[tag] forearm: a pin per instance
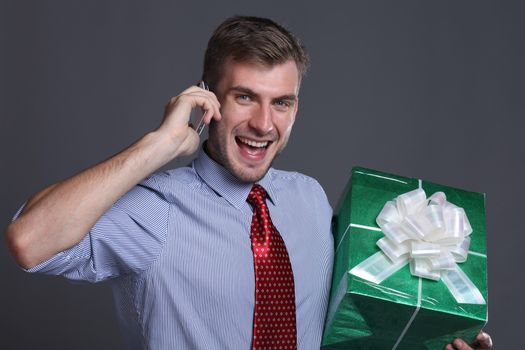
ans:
(59, 216)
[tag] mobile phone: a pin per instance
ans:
(201, 125)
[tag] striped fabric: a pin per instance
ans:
(177, 250)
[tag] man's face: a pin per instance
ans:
(258, 107)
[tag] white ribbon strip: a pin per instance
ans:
(382, 177)
(377, 267)
(462, 287)
(412, 318)
(430, 234)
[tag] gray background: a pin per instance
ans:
(425, 89)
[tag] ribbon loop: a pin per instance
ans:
(410, 203)
(431, 234)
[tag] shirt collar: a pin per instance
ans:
(225, 184)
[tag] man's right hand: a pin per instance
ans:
(59, 216)
(177, 113)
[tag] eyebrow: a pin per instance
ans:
(248, 91)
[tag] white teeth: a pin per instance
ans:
(253, 143)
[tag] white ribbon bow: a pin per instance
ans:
(432, 234)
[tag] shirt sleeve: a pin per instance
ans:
(127, 238)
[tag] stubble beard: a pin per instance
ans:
(217, 150)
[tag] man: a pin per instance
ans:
(193, 254)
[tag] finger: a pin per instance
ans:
(215, 113)
(188, 95)
(197, 89)
(483, 341)
(210, 109)
(459, 344)
(203, 99)
(178, 110)
(202, 85)
(192, 88)
(195, 97)
(178, 113)
(211, 98)
(449, 347)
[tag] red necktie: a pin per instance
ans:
(274, 317)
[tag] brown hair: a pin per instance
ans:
(256, 39)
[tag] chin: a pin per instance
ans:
(236, 165)
(249, 175)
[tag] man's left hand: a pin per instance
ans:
(482, 342)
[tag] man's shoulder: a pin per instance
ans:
(182, 175)
(303, 191)
(165, 182)
(290, 176)
(293, 180)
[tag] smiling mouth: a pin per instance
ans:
(255, 145)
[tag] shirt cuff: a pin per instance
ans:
(50, 264)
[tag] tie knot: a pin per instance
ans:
(257, 195)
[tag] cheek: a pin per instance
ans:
(227, 110)
(233, 118)
(285, 125)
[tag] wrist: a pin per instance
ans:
(164, 146)
(158, 148)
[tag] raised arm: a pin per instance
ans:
(60, 215)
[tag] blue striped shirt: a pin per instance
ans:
(177, 250)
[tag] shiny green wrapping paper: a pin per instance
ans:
(365, 315)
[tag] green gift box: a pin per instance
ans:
(403, 311)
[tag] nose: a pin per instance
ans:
(261, 120)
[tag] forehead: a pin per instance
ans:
(271, 80)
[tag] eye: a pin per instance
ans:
(243, 98)
(282, 104)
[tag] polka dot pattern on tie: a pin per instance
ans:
(274, 324)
